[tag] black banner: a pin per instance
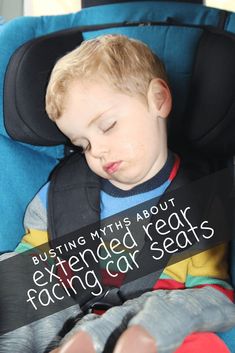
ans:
(134, 244)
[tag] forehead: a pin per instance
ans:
(86, 99)
(88, 95)
(91, 85)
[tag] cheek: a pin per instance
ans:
(95, 166)
(91, 163)
(130, 143)
(142, 149)
(135, 152)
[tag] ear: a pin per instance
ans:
(159, 98)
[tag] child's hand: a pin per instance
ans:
(156, 321)
(95, 333)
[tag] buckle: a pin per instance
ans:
(99, 308)
(110, 298)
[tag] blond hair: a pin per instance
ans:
(126, 64)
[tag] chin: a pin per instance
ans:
(127, 185)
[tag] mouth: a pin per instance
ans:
(112, 167)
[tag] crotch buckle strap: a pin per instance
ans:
(109, 298)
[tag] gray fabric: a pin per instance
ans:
(167, 315)
(170, 318)
(36, 337)
(35, 215)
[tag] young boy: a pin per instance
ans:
(110, 96)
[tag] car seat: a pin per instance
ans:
(30, 144)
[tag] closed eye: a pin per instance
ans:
(85, 148)
(110, 127)
(82, 147)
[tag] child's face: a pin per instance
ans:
(123, 138)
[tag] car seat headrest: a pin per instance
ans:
(25, 85)
(209, 122)
(210, 116)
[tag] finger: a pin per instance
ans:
(135, 339)
(81, 342)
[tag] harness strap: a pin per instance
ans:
(74, 197)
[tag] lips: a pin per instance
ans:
(112, 167)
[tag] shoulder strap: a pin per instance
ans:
(74, 197)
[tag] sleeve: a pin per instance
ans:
(207, 268)
(35, 222)
(210, 268)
